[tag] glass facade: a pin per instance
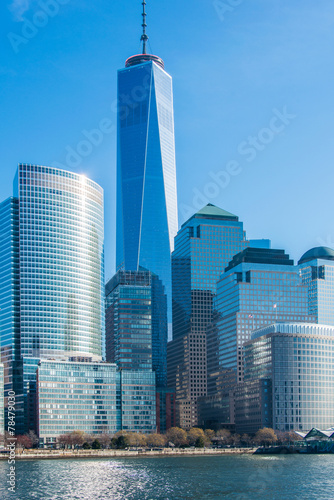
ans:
(61, 263)
(146, 172)
(298, 358)
(203, 247)
(2, 409)
(10, 303)
(317, 271)
(9, 290)
(93, 397)
(259, 287)
(138, 398)
(136, 323)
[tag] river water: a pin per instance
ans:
(240, 477)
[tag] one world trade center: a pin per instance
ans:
(146, 172)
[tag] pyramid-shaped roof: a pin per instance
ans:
(212, 211)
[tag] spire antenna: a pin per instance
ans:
(144, 37)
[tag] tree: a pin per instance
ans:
(104, 440)
(177, 436)
(64, 440)
(24, 442)
(137, 439)
(210, 434)
(265, 436)
(34, 438)
(224, 436)
(156, 440)
(77, 438)
(96, 445)
(235, 438)
(86, 446)
(122, 442)
(245, 440)
(196, 436)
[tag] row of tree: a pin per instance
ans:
(174, 437)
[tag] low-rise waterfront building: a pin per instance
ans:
(93, 397)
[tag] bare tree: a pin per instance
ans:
(104, 440)
(77, 438)
(34, 438)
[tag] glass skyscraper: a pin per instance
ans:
(52, 277)
(146, 173)
(317, 271)
(259, 287)
(61, 246)
(10, 302)
(203, 248)
(136, 323)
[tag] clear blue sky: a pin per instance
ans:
(233, 63)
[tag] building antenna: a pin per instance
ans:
(144, 37)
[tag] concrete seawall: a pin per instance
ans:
(68, 454)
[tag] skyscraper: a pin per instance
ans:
(317, 271)
(10, 302)
(146, 172)
(52, 276)
(259, 287)
(61, 248)
(203, 247)
(136, 323)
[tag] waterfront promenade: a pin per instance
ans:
(68, 454)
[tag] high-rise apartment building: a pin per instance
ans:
(136, 323)
(317, 271)
(146, 172)
(203, 248)
(298, 360)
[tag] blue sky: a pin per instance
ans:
(253, 97)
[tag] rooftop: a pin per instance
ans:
(211, 212)
(261, 256)
(324, 253)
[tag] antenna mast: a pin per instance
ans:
(144, 37)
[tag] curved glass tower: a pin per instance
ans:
(61, 242)
(146, 172)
